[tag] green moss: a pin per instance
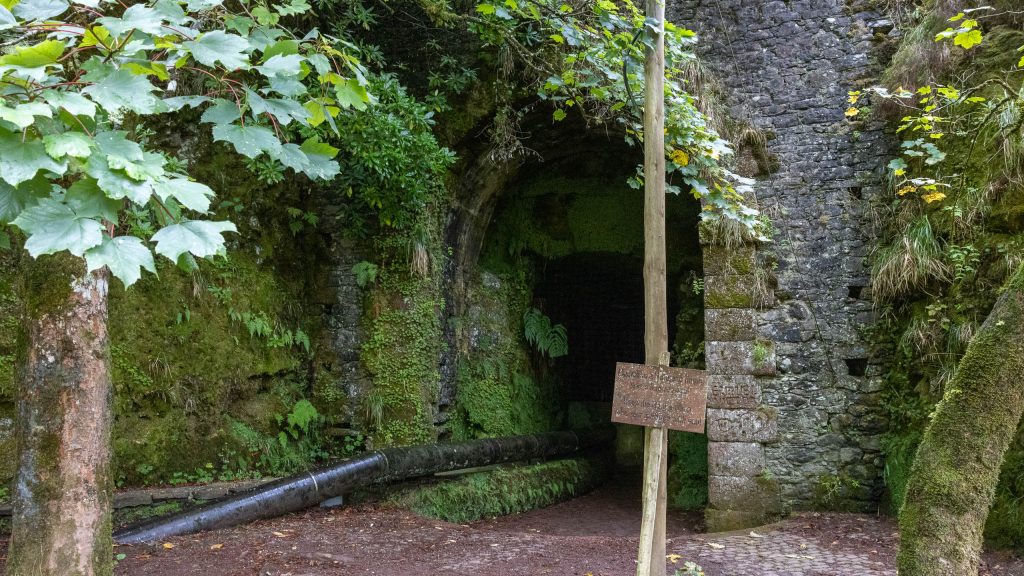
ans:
(180, 364)
(559, 216)
(729, 291)
(499, 392)
(47, 282)
(688, 470)
(506, 490)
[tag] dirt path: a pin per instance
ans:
(593, 535)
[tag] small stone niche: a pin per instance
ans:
(856, 366)
(856, 292)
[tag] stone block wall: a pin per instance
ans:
(793, 419)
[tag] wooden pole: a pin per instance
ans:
(651, 561)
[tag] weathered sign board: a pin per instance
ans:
(660, 397)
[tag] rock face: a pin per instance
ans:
(793, 418)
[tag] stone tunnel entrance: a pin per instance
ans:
(572, 229)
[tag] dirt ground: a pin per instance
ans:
(594, 535)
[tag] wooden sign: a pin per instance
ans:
(660, 397)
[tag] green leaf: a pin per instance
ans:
(24, 115)
(88, 201)
(249, 141)
(73, 144)
(15, 199)
(293, 7)
(200, 5)
(52, 226)
(191, 195)
(293, 157)
(114, 144)
(42, 54)
(283, 47)
(36, 10)
(125, 256)
(150, 168)
(122, 90)
(283, 110)
(117, 184)
(179, 102)
(73, 102)
(281, 65)
(558, 115)
(352, 94)
(221, 112)
(287, 86)
(20, 161)
(217, 46)
(198, 237)
(485, 9)
(7, 20)
(319, 154)
(136, 17)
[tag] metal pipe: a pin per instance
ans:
(310, 488)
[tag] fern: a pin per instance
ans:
(550, 340)
(366, 273)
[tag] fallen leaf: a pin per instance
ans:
(756, 535)
(280, 534)
(216, 547)
(673, 558)
(716, 546)
(168, 545)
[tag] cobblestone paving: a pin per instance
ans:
(779, 554)
(811, 545)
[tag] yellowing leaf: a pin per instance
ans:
(680, 157)
(168, 545)
(852, 112)
(967, 40)
(673, 558)
(854, 97)
(216, 546)
(933, 197)
(906, 190)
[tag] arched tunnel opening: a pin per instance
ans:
(571, 228)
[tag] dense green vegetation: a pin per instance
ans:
(953, 234)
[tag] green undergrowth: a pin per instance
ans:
(688, 470)
(942, 264)
(505, 490)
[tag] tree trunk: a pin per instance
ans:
(953, 479)
(61, 524)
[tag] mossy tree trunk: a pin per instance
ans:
(61, 524)
(953, 479)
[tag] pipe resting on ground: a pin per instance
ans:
(310, 488)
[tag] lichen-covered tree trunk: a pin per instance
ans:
(61, 524)
(953, 479)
